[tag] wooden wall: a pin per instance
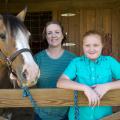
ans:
(103, 20)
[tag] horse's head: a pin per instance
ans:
(14, 48)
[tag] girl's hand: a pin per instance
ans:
(92, 96)
(100, 89)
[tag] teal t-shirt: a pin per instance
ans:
(51, 69)
(89, 72)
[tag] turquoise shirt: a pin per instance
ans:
(89, 72)
(51, 69)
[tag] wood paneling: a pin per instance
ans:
(102, 15)
(91, 19)
(71, 28)
(105, 21)
(99, 20)
(115, 32)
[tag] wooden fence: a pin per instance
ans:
(55, 97)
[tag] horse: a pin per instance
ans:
(15, 55)
(15, 51)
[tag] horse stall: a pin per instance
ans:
(77, 17)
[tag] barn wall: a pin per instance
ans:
(102, 20)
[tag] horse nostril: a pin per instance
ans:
(24, 74)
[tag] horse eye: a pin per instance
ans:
(2, 36)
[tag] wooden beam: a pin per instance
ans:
(52, 97)
(55, 5)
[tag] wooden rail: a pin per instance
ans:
(52, 97)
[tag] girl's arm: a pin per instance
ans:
(65, 82)
(102, 89)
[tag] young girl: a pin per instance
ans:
(94, 73)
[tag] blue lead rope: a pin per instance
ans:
(26, 93)
(76, 105)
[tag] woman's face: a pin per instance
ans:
(92, 46)
(54, 35)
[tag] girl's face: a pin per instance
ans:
(54, 35)
(92, 46)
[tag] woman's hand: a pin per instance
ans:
(92, 96)
(100, 89)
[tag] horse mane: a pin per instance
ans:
(13, 24)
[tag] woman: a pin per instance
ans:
(52, 62)
(94, 73)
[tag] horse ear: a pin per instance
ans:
(22, 14)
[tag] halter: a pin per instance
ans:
(9, 59)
